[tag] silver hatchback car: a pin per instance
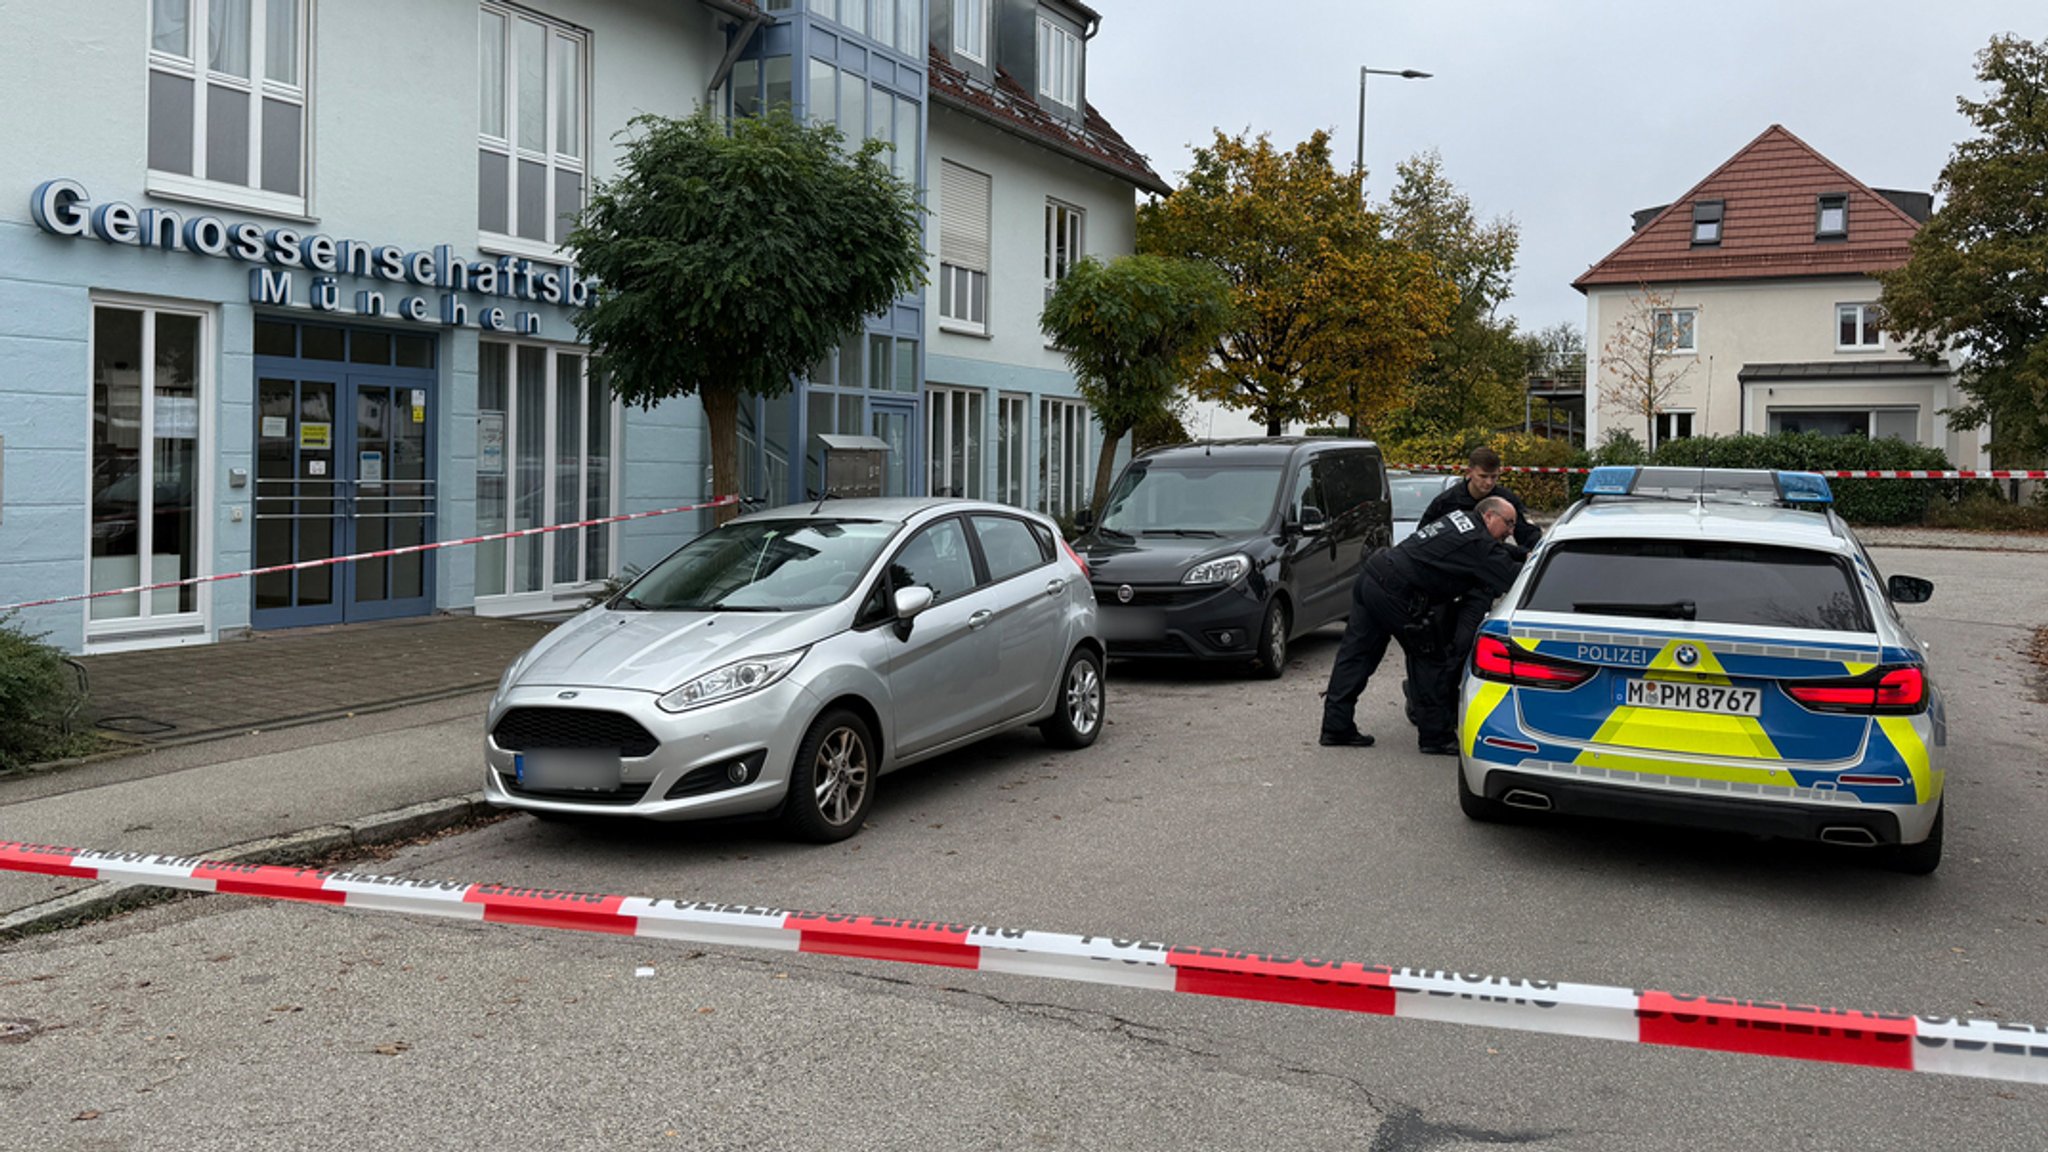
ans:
(783, 662)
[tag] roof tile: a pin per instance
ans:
(1009, 104)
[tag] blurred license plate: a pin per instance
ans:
(1719, 699)
(569, 769)
(1119, 623)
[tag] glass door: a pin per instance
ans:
(390, 499)
(298, 500)
(891, 421)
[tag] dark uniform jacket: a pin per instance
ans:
(1458, 498)
(1441, 561)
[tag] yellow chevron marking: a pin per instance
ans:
(1651, 767)
(1489, 697)
(1927, 783)
(1696, 733)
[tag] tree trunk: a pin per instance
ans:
(1273, 426)
(722, 416)
(1103, 464)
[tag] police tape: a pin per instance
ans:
(408, 549)
(1838, 474)
(1984, 1049)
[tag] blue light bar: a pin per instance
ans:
(1611, 480)
(1804, 488)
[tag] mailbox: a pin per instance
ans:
(854, 465)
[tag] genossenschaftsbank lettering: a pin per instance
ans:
(63, 208)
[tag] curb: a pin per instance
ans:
(109, 897)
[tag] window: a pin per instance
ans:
(1877, 423)
(758, 85)
(1727, 583)
(531, 129)
(839, 97)
(1677, 329)
(147, 396)
(1859, 328)
(227, 101)
(935, 558)
(1063, 476)
(1062, 242)
(1011, 435)
(1832, 217)
(970, 29)
(1674, 425)
(893, 119)
(546, 427)
(954, 444)
(1008, 546)
(1059, 64)
(1706, 223)
(963, 247)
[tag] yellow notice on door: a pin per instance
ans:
(318, 437)
(419, 414)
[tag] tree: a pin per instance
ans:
(1326, 317)
(1473, 377)
(1637, 363)
(1977, 276)
(1132, 330)
(731, 259)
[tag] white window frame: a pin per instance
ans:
(1013, 438)
(247, 192)
(1059, 64)
(970, 29)
(148, 628)
(561, 40)
(1064, 478)
(940, 403)
(548, 597)
(966, 200)
(1863, 313)
(1684, 321)
(1775, 414)
(1667, 424)
(1065, 227)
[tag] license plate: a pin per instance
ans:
(1719, 699)
(1119, 623)
(568, 769)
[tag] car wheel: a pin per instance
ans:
(1475, 806)
(1077, 718)
(1923, 858)
(1271, 661)
(833, 781)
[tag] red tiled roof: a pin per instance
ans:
(1770, 194)
(1008, 105)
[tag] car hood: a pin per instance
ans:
(1154, 559)
(661, 651)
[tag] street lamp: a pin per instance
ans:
(1363, 72)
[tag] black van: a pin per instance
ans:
(1227, 549)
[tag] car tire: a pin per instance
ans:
(1077, 714)
(1271, 661)
(832, 783)
(1923, 858)
(1477, 807)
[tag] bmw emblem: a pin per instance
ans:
(1687, 655)
(565, 696)
(1124, 593)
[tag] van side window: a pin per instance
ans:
(1307, 493)
(1350, 481)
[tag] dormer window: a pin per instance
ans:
(1059, 64)
(970, 29)
(1706, 223)
(1832, 217)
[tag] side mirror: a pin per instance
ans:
(1909, 589)
(1084, 519)
(912, 600)
(1312, 520)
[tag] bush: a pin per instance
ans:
(38, 696)
(1858, 501)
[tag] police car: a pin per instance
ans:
(1714, 648)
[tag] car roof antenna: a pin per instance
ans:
(829, 495)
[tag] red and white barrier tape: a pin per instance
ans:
(1984, 1049)
(721, 502)
(1839, 474)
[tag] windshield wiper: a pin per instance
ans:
(1181, 532)
(1119, 533)
(722, 607)
(630, 604)
(1669, 610)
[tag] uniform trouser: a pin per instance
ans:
(1435, 677)
(1376, 618)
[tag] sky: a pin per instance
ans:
(1563, 115)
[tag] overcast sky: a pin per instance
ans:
(1565, 115)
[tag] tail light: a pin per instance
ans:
(1075, 557)
(1896, 691)
(1495, 659)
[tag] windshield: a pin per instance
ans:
(763, 566)
(1704, 580)
(1412, 494)
(1190, 498)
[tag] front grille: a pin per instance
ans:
(623, 796)
(1168, 597)
(526, 728)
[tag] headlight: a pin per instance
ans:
(736, 679)
(1226, 570)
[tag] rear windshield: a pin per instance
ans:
(1412, 494)
(1191, 500)
(1713, 581)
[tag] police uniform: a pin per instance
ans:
(1392, 598)
(1456, 625)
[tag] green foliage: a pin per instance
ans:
(1452, 450)
(1978, 507)
(1977, 277)
(1858, 501)
(38, 695)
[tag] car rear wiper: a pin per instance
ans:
(1181, 532)
(1668, 610)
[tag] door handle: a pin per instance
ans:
(979, 620)
(1055, 587)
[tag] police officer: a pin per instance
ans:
(1482, 479)
(1392, 598)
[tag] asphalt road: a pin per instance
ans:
(1206, 815)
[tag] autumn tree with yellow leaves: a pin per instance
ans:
(1330, 319)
